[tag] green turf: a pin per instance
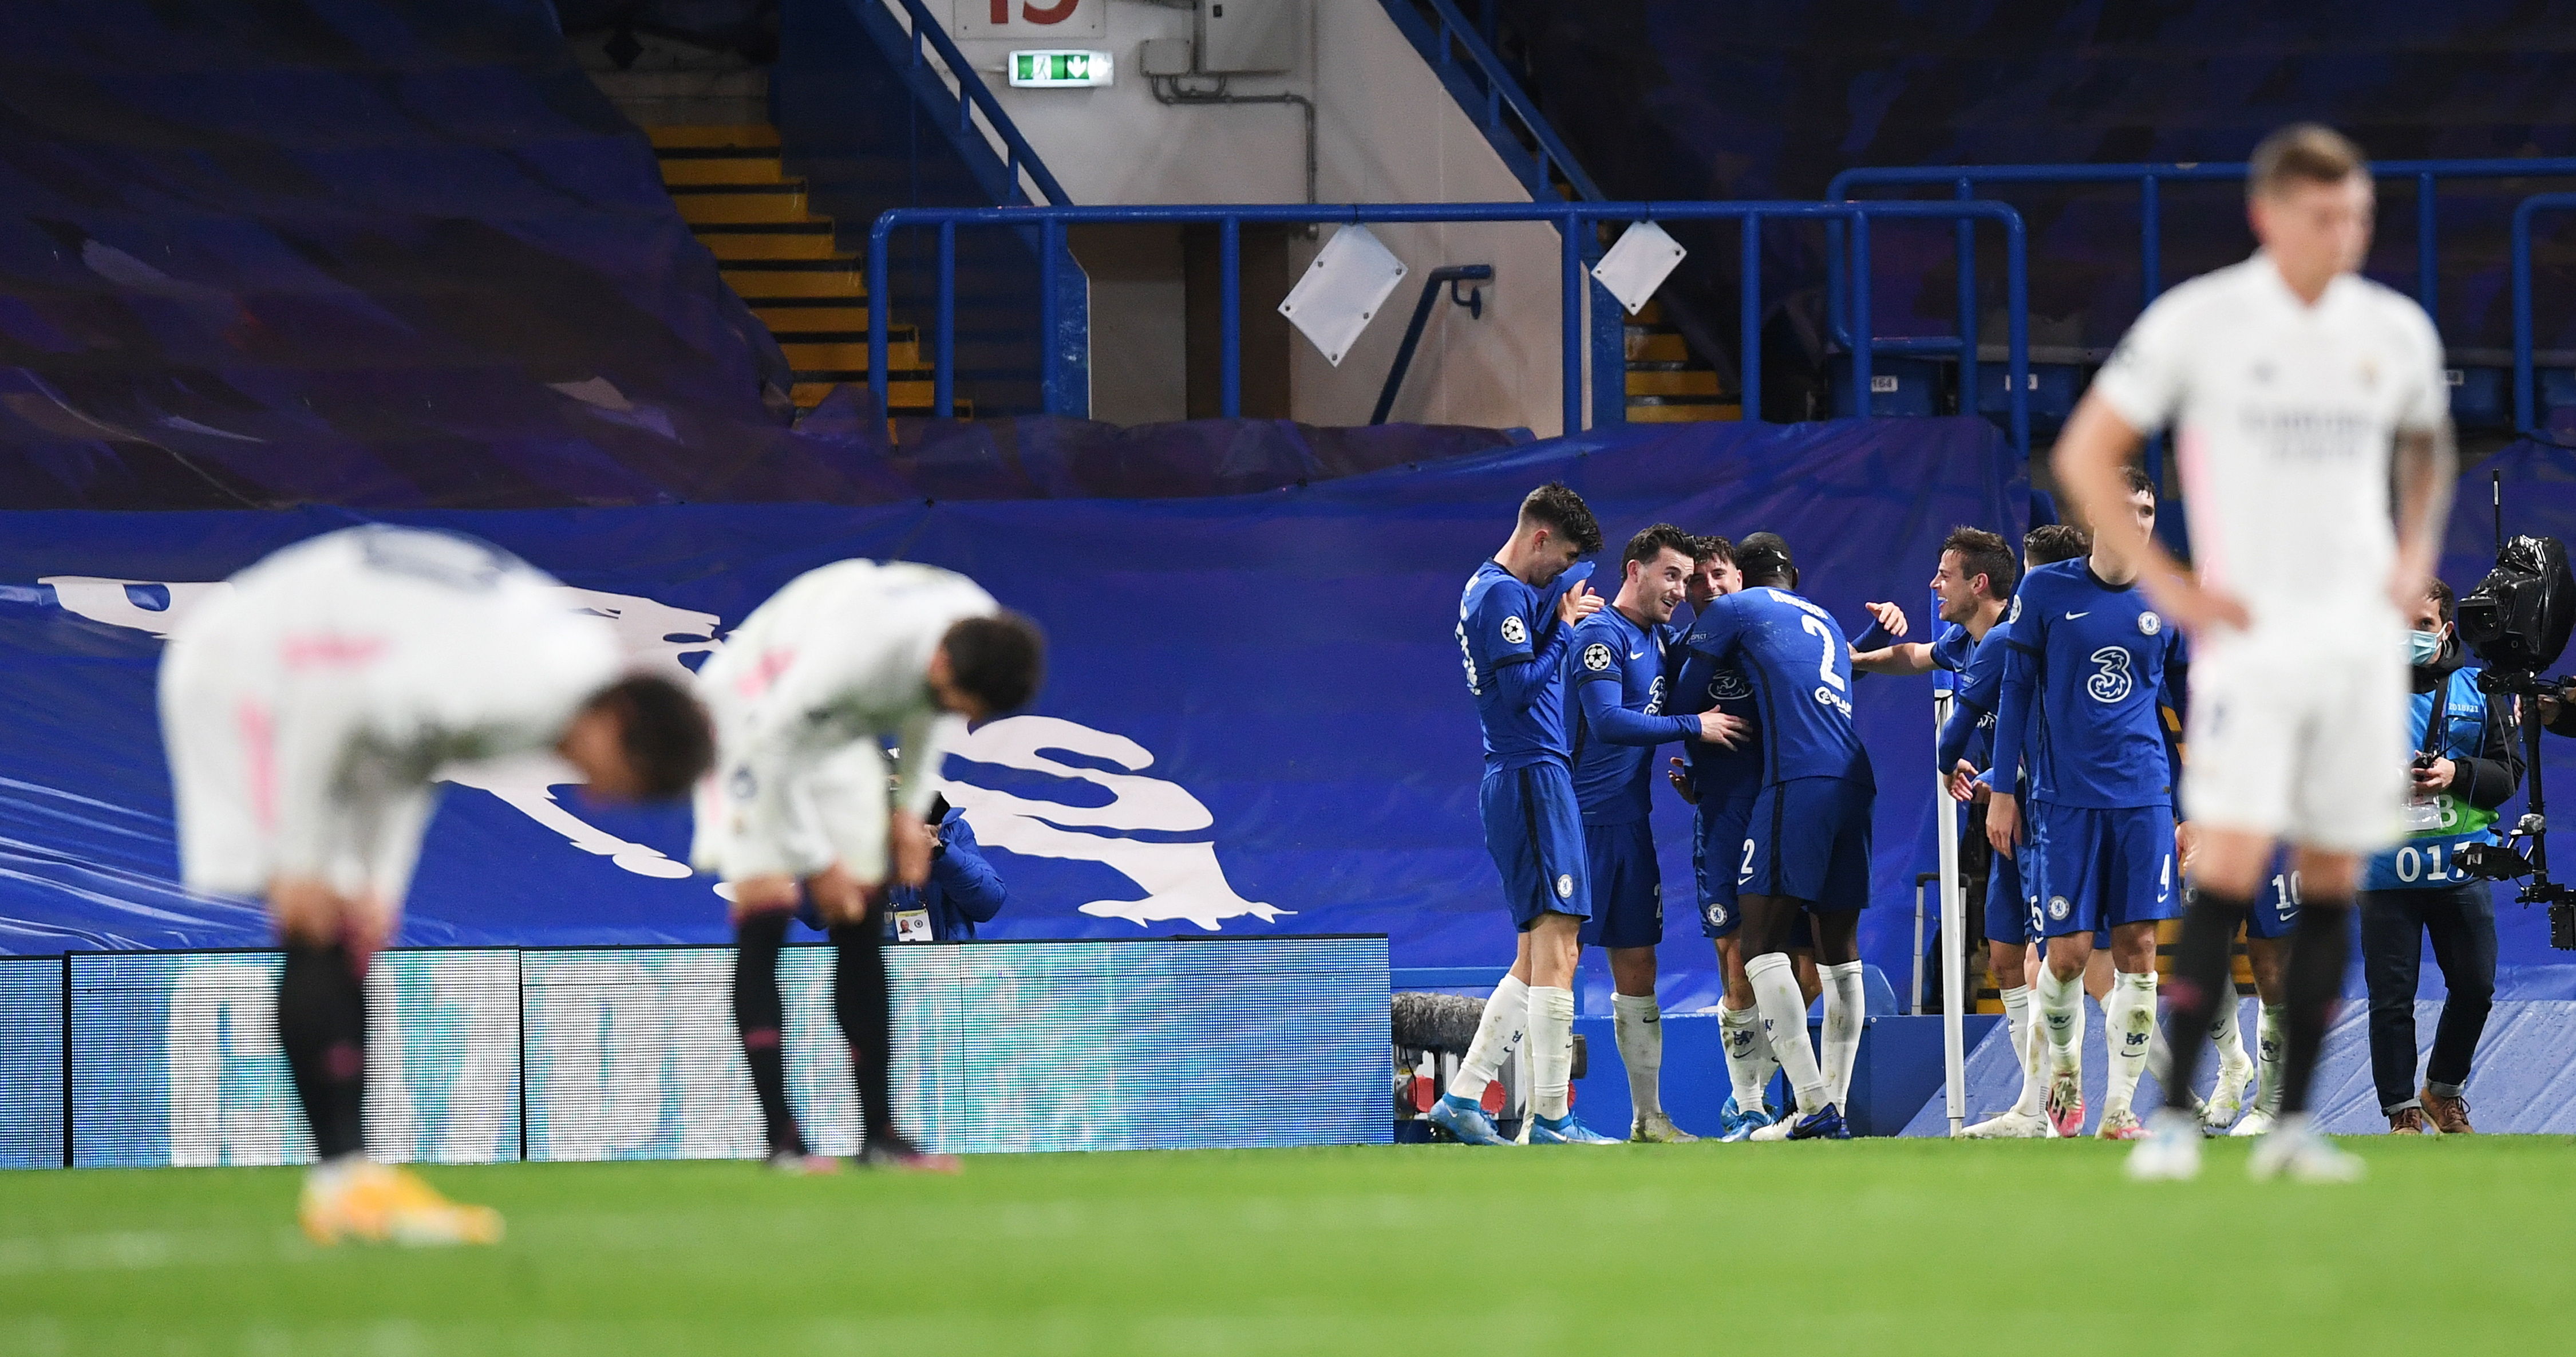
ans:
(2454, 1245)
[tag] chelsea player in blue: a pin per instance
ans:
(1515, 628)
(1973, 581)
(1616, 667)
(2089, 665)
(1806, 849)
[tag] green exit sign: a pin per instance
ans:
(1059, 70)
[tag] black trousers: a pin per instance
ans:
(2461, 922)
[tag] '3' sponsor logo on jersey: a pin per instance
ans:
(2112, 681)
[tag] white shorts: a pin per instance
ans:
(223, 706)
(2302, 735)
(835, 812)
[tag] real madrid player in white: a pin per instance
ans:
(2290, 383)
(805, 695)
(308, 712)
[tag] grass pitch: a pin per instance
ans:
(2455, 1245)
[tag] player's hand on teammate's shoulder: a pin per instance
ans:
(1716, 727)
(1577, 603)
(1679, 776)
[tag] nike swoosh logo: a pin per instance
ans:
(2086, 613)
(1636, 654)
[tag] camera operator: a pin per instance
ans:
(2468, 762)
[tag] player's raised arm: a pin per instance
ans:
(2427, 461)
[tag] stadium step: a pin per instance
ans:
(785, 261)
(1666, 383)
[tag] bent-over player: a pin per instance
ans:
(2289, 380)
(805, 695)
(307, 714)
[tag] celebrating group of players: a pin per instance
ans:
(310, 710)
(2298, 392)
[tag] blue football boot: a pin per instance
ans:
(1742, 1125)
(1825, 1123)
(1568, 1130)
(1465, 1120)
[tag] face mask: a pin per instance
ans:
(2424, 647)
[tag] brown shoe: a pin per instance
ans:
(2450, 1116)
(2406, 1121)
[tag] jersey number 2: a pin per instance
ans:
(1815, 626)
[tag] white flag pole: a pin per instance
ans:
(1953, 923)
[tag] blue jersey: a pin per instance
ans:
(1717, 774)
(2085, 672)
(1794, 657)
(1615, 673)
(1970, 732)
(1514, 650)
(1953, 647)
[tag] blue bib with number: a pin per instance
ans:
(2424, 860)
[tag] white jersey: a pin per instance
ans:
(2285, 416)
(308, 711)
(805, 694)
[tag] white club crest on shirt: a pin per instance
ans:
(2058, 907)
(2149, 624)
(1596, 656)
(1564, 886)
(2015, 614)
(1514, 631)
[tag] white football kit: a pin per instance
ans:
(804, 695)
(2285, 417)
(308, 710)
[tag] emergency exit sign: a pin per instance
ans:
(1059, 70)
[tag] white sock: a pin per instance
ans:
(2027, 1046)
(1551, 1046)
(2226, 1036)
(2267, 1057)
(2061, 1018)
(1845, 1006)
(2128, 1028)
(2159, 1055)
(330, 1175)
(1639, 1027)
(1506, 1013)
(1746, 1065)
(1784, 1020)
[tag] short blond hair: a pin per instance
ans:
(2302, 153)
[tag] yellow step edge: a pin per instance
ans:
(1702, 382)
(1658, 349)
(746, 245)
(790, 320)
(846, 356)
(1684, 414)
(728, 170)
(757, 285)
(736, 209)
(733, 134)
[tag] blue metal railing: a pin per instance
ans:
(2526, 413)
(1573, 222)
(1487, 91)
(1967, 181)
(971, 97)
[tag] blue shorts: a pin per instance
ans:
(1717, 854)
(1627, 885)
(1535, 832)
(1809, 841)
(2008, 906)
(2099, 869)
(2276, 905)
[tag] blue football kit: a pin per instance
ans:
(1808, 828)
(1724, 782)
(1953, 647)
(1615, 667)
(2088, 665)
(1969, 736)
(1514, 650)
